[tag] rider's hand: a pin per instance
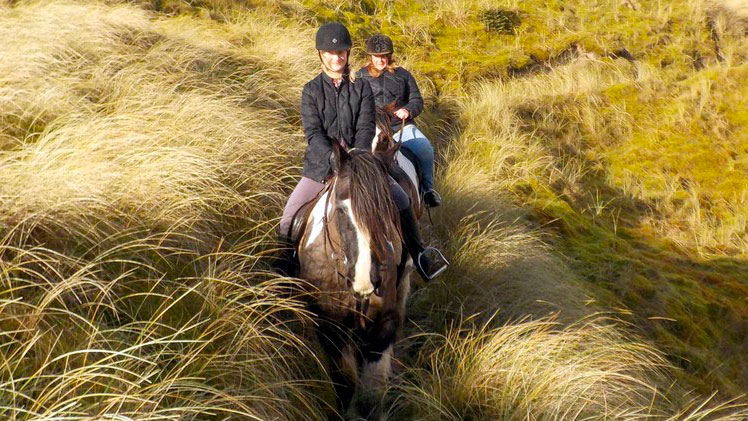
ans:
(402, 114)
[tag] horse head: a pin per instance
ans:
(384, 144)
(361, 234)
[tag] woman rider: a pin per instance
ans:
(391, 83)
(337, 108)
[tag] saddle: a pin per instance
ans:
(301, 217)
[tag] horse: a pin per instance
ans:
(351, 254)
(403, 168)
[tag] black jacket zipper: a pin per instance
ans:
(337, 111)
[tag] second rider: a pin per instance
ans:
(390, 83)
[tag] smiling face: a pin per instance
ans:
(334, 61)
(380, 62)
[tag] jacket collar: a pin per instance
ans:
(328, 80)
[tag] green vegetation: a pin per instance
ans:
(593, 157)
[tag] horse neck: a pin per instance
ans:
(348, 245)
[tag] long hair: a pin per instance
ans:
(391, 66)
(372, 201)
(347, 73)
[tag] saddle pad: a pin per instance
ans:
(413, 160)
(301, 217)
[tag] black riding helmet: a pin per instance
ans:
(379, 44)
(333, 36)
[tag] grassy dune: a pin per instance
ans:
(142, 162)
(592, 158)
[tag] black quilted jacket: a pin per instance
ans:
(329, 114)
(400, 87)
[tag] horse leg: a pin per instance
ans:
(373, 385)
(343, 367)
(345, 378)
(403, 289)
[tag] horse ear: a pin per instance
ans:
(387, 156)
(340, 154)
(391, 152)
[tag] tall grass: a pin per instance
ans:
(142, 161)
(532, 370)
(147, 345)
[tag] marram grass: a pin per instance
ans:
(141, 346)
(538, 370)
(554, 144)
(139, 175)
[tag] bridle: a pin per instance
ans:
(362, 300)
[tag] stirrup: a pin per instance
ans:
(439, 257)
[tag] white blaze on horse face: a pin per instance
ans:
(318, 220)
(362, 271)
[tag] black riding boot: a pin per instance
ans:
(429, 261)
(286, 262)
(432, 198)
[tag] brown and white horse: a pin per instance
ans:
(401, 168)
(351, 255)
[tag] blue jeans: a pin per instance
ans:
(417, 143)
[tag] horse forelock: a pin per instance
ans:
(371, 202)
(384, 128)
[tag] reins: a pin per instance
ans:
(362, 301)
(402, 127)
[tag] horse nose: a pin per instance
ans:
(364, 292)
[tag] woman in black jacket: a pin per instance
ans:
(391, 83)
(337, 108)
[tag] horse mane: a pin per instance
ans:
(372, 201)
(386, 148)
